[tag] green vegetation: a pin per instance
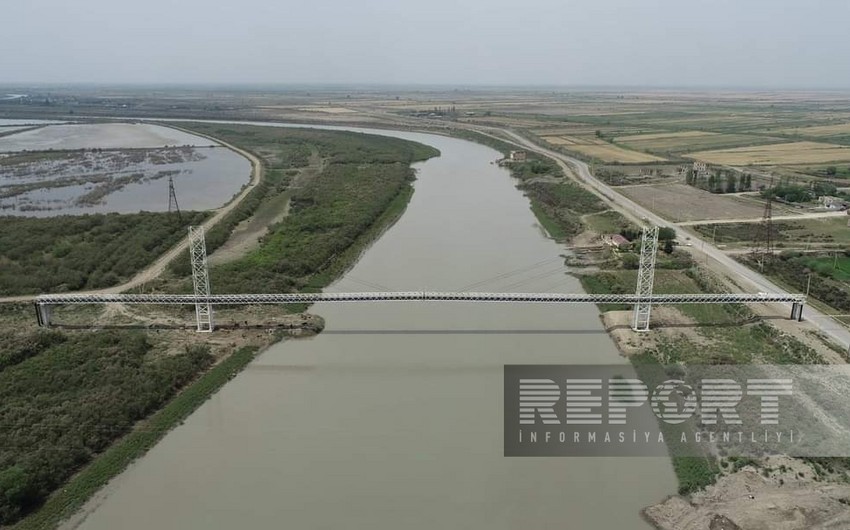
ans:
(815, 233)
(115, 459)
(608, 222)
(721, 181)
(808, 192)
(562, 204)
(829, 275)
(67, 397)
(364, 182)
(70, 253)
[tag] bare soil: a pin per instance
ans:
(747, 500)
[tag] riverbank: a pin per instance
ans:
(243, 332)
(714, 492)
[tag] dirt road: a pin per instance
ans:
(157, 267)
(799, 217)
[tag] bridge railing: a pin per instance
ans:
(297, 298)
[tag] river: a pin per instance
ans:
(392, 417)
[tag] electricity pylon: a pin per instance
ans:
(645, 278)
(200, 278)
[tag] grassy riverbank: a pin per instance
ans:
(559, 204)
(345, 188)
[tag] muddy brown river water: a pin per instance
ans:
(392, 417)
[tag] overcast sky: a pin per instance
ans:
(735, 43)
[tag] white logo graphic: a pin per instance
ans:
(672, 401)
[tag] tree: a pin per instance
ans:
(831, 170)
(666, 234)
(730, 183)
(668, 246)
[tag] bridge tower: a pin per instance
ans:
(200, 278)
(645, 278)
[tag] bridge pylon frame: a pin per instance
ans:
(200, 278)
(645, 278)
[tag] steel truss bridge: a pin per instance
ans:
(203, 300)
(45, 302)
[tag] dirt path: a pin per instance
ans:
(158, 266)
(798, 217)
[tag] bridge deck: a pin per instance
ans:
(298, 298)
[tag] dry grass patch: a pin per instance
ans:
(690, 141)
(680, 202)
(785, 153)
(612, 153)
(598, 148)
(819, 130)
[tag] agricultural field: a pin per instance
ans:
(776, 154)
(818, 131)
(687, 141)
(596, 148)
(680, 202)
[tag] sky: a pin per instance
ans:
(674, 43)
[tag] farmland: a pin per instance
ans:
(819, 131)
(680, 202)
(686, 141)
(785, 153)
(599, 149)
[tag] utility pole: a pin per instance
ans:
(762, 249)
(172, 199)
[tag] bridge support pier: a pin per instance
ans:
(797, 311)
(42, 314)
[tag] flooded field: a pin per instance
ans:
(114, 168)
(100, 136)
(10, 123)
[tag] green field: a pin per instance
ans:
(836, 267)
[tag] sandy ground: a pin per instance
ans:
(747, 500)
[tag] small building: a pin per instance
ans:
(517, 156)
(616, 240)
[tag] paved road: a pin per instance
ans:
(157, 267)
(748, 279)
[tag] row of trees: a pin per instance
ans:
(720, 181)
